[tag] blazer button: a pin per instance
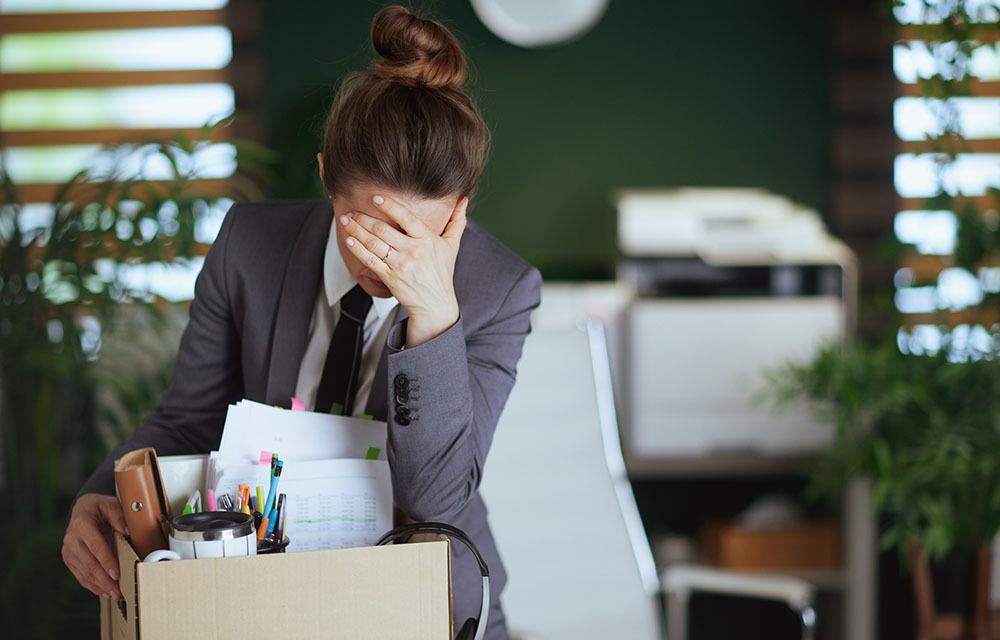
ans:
(402, 412)
(402, 421)
(402, 397)
(401, 382)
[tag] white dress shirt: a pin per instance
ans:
(337, 281)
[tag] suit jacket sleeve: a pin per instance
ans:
(206, 377)
(458, 384)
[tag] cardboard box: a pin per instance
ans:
(802, 546)
(396, 591)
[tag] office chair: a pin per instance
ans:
(560, 506)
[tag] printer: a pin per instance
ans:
(728, 284)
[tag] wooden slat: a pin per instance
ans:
(48, 22)
(105, 136)
(985, 32)
(86, 79)
(977, 88)
(168, 252)
(972, 315)
(983, 203)
(963, 146)
(42, 193)
(926, 268)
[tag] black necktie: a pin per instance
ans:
(340, 373)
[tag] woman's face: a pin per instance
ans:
(433, 212)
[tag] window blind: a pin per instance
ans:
(79, 74)
(947, 120)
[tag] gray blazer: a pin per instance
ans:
(247, 334)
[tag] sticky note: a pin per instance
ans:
(298, 405)
(372, 453)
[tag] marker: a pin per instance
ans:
(260, 500)
(272, 494)
(244, 498)
(262, 529)
(210, 504)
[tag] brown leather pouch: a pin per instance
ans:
(143, 499)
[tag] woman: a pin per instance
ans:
(435, 310)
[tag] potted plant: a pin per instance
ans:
(67, 387)
(925, 430)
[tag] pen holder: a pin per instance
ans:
(272, 546)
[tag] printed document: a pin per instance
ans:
(332, 504)
(252, 427)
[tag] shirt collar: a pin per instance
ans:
(337, 280)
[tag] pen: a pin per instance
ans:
(274, 463)
(272, 494)
(225, 502)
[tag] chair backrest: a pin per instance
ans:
(559, 502)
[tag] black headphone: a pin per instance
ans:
(472, 629)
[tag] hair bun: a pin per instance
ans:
(416, 52)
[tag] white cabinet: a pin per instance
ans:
(696, 369)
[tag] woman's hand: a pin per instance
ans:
(86, 552)
(415, 263)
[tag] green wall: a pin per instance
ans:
(727, 93)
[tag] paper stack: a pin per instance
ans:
(335, 476)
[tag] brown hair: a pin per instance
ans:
(406, 124)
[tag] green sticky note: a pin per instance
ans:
(372, 453)
(366, 416)
(337, 409)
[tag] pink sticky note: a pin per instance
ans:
(298, 405)
(265, 458)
